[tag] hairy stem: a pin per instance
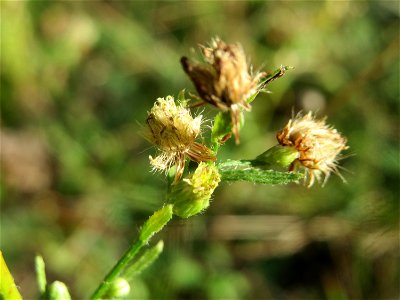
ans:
(117, 269)
(153, 225)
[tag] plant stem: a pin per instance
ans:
(153, 225)
(116, 270)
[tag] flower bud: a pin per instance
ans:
(119, 288)
(192, 195)
(58, 291)
(278, 155)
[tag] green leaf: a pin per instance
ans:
(270, 76)
(144, 261)
(248, 170)
(8, 289)
(222, 128)
(155, 223)
(40, 273)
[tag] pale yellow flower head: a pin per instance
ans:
(174, 131)
(319, 146)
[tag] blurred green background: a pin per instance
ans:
(77, 79)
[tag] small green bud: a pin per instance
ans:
(58, 291)
(155, 223)
(119, 288)
(192, 195)
(278, 155)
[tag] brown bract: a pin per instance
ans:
(224, 79)
(318, 144)
(174, 131)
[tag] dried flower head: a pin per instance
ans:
(174, 131)
(318, 144)
(224, 80)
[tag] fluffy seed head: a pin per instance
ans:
(172, 127)
(174, 131)
(318, 144)
(224, 80)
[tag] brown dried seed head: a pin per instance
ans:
(318, 144)
(234, 84)
(174, 131)
(224, 80)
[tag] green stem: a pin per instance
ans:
(117, 269)
(153, 225)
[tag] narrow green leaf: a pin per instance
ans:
(271, 76)
(247, 170)
(155, 223)
(40, 273)
(181, 96)
(8, 289)
(144, 261)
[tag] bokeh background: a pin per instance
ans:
(77, 79)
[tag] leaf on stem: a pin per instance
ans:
(247, 170)
(144, 261)
(222, 128)
(155, 223)
(40, 274)
(270, 76)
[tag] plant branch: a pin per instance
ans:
(153, 225)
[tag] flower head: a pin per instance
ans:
(224, 80)
(318, 144)
(174, 131)
(192, 195)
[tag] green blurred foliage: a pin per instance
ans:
(77, 79)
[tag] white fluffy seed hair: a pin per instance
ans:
(173, 130)
(319, 146)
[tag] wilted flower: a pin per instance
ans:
(318, 144)
(174, 131)
(192, 195)
(224, 80)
